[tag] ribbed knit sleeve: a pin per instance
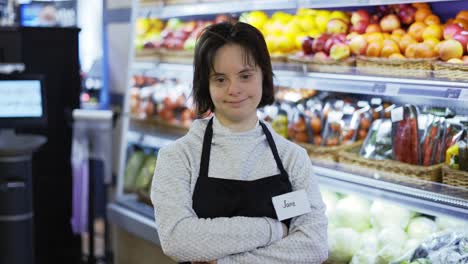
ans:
(307, 239)
(184, 236)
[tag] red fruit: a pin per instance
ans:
(407, 15)
(359, 27)
(360, 15)
(307, 45)
(319, 43)
(452, 30)
(462, 37)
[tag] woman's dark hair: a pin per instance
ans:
(214, 37)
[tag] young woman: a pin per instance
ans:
(213, 188)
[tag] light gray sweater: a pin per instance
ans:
(242, 156)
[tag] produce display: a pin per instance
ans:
(362, 231)
(398, 33)
(139, 170)
(166, 99)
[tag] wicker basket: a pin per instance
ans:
(429, 173)
(326, 153)
(176, 56)
(451, 71)
(330, 66)
(454, 177)
(146, 54)
(420, 68)
(278, 58)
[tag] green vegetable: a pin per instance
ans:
(131, 170)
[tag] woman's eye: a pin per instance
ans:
(220, 80)
(245, 77)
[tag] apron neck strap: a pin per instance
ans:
(273, 148)
(205, 156)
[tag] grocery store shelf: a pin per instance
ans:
(213, 7)
(427, 197)
(434, 92)
(133, 220)
(344, 3)
(160, 10)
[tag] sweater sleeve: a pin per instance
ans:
(183, 235)
(307, 238)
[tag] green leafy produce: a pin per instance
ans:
(146, 172)
(131, 170)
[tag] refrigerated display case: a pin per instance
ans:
(146, 134)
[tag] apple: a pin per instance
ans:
(450, 49)
(452, 30)
(407, 15)
(358, 45)
(359, 27)
(389, 23)
(335, 39)
(337, 25)
(340, 51)
(462, 37)
(319, 43)
(307, 45)
(462, 15)
(360, 15)
(373, 28)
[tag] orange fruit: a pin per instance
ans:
(374, 49)
(416, 29)
(389, 47)
(410, 51)
(423, 50)
(405, 41)
(421, 5)
(431, 20)
(421, 14)
(398, 31)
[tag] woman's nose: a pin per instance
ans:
(234, 88)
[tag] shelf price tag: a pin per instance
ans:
(379, 88)
(452, 93)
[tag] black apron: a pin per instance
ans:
(215, 197)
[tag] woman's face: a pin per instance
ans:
(235, 86)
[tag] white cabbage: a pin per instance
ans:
(353, 212)
(421, 227)
(384, 214)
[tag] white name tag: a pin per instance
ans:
(291, 204)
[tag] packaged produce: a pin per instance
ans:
(280, 123)
(132, 168)
(365, 121)
(447, 247)
(146, 172)
(432, 140)
(297, 129)
(332, 132)
(349, 124)
(378, 143)
(405, 134)
(451, 134)
(377, 108)
(452, 156)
